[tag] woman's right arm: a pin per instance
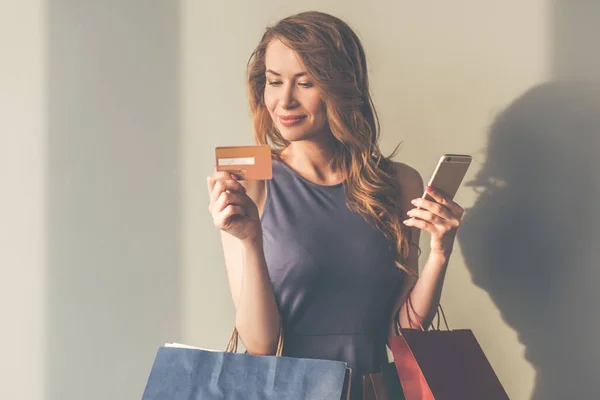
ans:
(236, 214)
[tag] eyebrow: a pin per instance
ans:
(278, 74)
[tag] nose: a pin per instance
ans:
(287, 98)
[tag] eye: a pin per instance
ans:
(274, 83)
(305, 84)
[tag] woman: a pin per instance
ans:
(329, 246)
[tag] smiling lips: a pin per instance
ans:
(290, 120)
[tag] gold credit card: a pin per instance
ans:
(246, 162)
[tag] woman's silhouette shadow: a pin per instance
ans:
(532, 239)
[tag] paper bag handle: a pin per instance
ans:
(233, 341)
(411, 310)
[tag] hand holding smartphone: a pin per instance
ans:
(441, 223)
(449, 174)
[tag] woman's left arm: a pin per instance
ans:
(441, 218)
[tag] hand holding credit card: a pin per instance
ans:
(246, 162)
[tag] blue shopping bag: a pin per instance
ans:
(194, 374)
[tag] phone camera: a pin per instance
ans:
(448, 158)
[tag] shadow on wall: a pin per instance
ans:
(532, 239)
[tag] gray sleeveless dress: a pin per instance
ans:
(334, 275)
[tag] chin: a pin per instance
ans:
(294, 134)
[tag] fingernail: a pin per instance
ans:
(235, 178)
(430, 189)
(414, 201)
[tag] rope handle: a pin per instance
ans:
(411, 309)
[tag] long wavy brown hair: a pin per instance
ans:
(333, 56)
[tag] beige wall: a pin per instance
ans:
(114, 281)
(23, 247)
(440, 72)
(89, 204)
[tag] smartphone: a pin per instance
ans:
(449, 174)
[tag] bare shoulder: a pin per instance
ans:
(409, 180)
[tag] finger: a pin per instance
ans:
(214, 177)
(227, 198)
(224, 218)
(425, 215)
(443, 199)
(420, 224)
(441, 224)
(222, 186)
(433, 207)
(232, 210)
(220, 176)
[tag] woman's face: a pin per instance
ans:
(291, 97)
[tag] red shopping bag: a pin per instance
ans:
(443, 364)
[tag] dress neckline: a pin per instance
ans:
(295, 173)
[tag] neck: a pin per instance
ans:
(313, 159)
